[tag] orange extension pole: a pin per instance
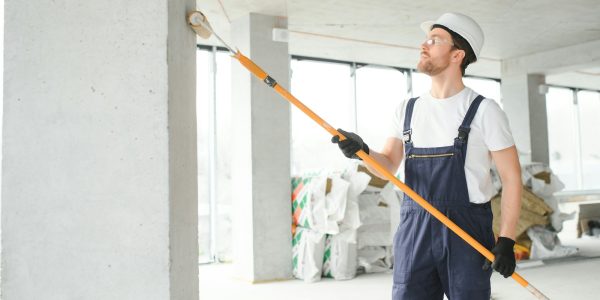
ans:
(262, 75)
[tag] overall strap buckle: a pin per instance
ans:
(463, 134)
(407, 119)
(407, 134)
(465, 127)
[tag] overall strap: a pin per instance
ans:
(465, 127)
(407, 118)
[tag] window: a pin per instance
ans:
(204, 94)
(421, 83)
(222, 234)
(327, 89)
(562, 135)
(379, 91)
(589, 110)
(213, 109)
(489, 88)
(574, 149)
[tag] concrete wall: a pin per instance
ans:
(525, 107)
(538, 119)
(183, 163)
(516, 105)
(262, 238)
(98, 187)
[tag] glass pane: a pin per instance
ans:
(378, 92)
(421, 83)
(223, 157)
(562, 134)
(486, 87)
(203, 98)
(589, 110)
(326, 88)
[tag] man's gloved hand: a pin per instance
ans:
(504, 262)
(352, 144)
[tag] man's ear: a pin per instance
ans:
(458, 55)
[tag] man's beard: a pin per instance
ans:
(431, 69)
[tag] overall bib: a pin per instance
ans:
(429, 259)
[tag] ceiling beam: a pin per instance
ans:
(570, 58)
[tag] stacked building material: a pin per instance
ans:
(324, 223)
(540, 219)
(341, 224)
(534, 211)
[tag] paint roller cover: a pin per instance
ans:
(198, 22)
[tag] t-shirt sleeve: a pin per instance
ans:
(397, 121)
(495, 128)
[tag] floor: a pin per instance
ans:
(567, 278)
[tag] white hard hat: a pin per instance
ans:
(463, 25)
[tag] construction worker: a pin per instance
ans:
(448, 138)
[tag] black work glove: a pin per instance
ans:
(352, 144)
(504, 262)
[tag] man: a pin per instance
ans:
(448, 138)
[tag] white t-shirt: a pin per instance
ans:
(435, 123)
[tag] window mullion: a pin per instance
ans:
(409, 83)
(355, 101)
(212, 158)
(578, 147)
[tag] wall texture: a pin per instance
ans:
(98, 187)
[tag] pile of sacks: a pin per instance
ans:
(342, 224)
(540, 219)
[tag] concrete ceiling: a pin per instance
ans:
(387, 32)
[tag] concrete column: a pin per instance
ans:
(99, 192)
(262, 240)
(525, 106)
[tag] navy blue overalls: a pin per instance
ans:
(430, 259)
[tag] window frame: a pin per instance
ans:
(579, 190)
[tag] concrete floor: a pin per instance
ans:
(567, 278)
(571, 278)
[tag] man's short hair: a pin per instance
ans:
(461, 44)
